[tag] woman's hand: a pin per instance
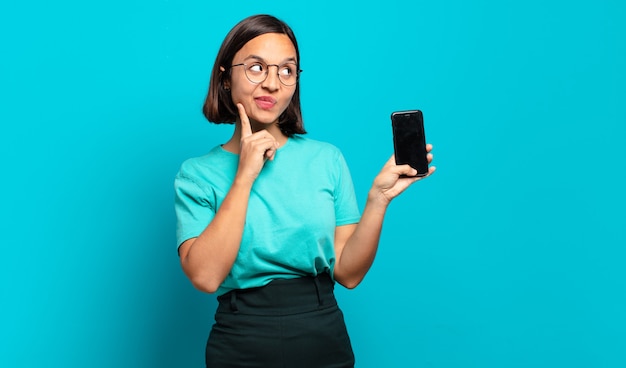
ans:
(255, 148)
(356, 244)
(388, 184)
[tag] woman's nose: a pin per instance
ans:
(271, 82)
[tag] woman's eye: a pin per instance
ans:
(286, 71)
(256, 68)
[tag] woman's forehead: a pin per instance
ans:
(268, 47)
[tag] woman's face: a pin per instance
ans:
(266, 101)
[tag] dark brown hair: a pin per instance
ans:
(218, 106)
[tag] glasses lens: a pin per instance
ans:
(288, 74)
(256, 72)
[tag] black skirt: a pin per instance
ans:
(293, 323)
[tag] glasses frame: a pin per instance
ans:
(267, 72)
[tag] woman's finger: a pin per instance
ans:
(246, 130)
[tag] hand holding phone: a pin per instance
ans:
(409, 140)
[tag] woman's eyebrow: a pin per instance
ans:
(259, 58)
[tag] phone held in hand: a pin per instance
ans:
(409, 140)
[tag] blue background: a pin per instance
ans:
(512, 255)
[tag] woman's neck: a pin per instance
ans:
(234, 143)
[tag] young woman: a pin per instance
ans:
(268, 220)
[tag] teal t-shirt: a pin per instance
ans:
(295, 204)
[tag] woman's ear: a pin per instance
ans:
(226, 83)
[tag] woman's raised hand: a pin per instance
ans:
(389, 183)
(255, 148)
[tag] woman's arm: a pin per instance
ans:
(356, 245)
(207, 259)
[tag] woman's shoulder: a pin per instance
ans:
(313, 145)
(215, 159)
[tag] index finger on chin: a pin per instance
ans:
(246, 130)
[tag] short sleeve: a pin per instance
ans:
(193, 206)
(346, 207)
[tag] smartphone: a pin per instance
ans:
(409, 140)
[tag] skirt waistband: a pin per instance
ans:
(281, 297)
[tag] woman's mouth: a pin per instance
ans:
(265, 102)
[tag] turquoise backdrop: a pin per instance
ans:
(512, 255)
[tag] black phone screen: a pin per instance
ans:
(409, 140)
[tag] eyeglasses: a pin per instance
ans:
(257, 72)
